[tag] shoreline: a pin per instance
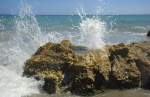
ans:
(108, 93)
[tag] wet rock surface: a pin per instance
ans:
(148, 34)
(83, 71)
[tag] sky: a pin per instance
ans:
(70, 7)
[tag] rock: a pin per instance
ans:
(128, 64)
(74, 64)
(141, 51)
(48, 63)
(83, 71)
(82, 79)
(49, 57)
(124, 72)
(66, 43)
(148, 34)
(83, 74)
(52, 80)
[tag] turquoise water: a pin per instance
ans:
(119, 23)
(118, 28)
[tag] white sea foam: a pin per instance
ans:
(14, 85)
(92, 32)
(15, 51)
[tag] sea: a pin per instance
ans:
(21, 35)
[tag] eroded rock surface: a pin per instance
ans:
(82, 70)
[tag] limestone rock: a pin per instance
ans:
(124, 72)
(82, 70)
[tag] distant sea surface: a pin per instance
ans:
(128, 27)
(120, 23)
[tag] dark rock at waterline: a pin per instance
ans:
(82, 70)
(148, 34)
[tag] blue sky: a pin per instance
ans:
(71, 6)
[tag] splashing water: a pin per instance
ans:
(14, 85)
(14, 52)
(92, 33)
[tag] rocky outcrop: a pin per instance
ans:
(148, 34)
(130, 64)
(48, 63)
(124, 72)
(82, 70)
